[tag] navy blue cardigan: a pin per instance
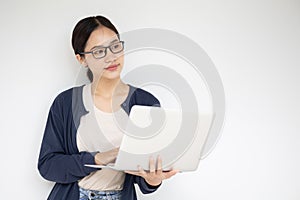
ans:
(61, 162)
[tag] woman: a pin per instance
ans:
(72, 137)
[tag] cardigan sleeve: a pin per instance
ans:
(144, 186)
(55, 162)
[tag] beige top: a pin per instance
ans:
(100, 131)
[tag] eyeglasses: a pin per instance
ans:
(100, 52)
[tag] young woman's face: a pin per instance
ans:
(110, 66)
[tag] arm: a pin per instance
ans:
(144, 186)
(56, 162)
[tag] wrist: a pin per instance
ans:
(153, 183)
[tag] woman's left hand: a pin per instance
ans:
(155, 175)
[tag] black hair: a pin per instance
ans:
(83, 30)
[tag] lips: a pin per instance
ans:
(112, 67)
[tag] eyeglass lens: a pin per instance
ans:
(114, 48)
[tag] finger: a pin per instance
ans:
(169, 174)
(159, 165)
(113, 160)
(152, 165)
(116, 150)
(136, 173)
(139, 172)
(142, 171)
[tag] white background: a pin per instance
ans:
(255, 46)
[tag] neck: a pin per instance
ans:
(106, 87)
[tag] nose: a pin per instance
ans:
(110, 57)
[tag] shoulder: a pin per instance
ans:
(68, 93)
(66, 97)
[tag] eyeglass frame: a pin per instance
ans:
(105, 50)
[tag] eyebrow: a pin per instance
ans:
(115, 40)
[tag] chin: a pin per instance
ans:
(111, 76)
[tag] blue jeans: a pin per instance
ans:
(99, 195)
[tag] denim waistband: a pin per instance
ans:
(95, 194)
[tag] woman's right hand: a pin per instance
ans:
(103, 158)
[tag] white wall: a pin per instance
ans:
(255, 46)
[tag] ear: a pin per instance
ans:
(81, 60)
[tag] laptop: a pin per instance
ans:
(177, 136)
